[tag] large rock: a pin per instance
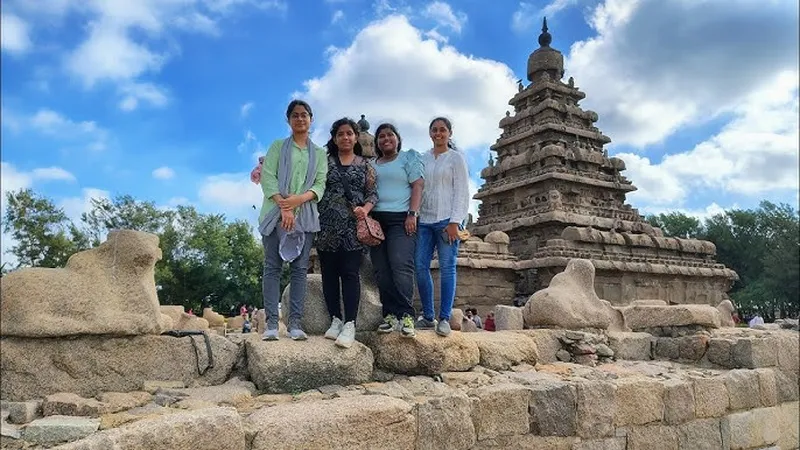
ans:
(426, 354)
(640, 316)
(89, 365)
(108, 290)
(503, 349)
(368, 422)
(315, 317)
(508, 318)
(287, 366)
(204, 429)
(569, 301)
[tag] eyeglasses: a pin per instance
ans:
(303, 116)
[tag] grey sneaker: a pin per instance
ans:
(390, 323)
(347, 336)
(425, 324)
(335, 329)
(297, 334)
(407, 328)
(443, 328)
(271, 334)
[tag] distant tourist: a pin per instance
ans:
(445, 204)
(757, 320)
(292, 178)
(473, 315)
(400, 185)
(488, 324)
(350, 194)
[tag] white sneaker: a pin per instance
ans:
(347, 336)
(335, 329)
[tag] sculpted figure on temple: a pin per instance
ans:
(520, 88)
(554, 199)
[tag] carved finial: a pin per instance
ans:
(363, 124)
(571, 82)
(545, 39)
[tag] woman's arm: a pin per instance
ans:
(460, 206)
(370, 188)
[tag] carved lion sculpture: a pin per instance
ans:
(554, 198)
(107, 290)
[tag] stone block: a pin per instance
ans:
(767, 386)
(68, 404)
(426, 354)
(508, 318)
(639, 317)
(151, 386)
(596, 409)
(287, 366)
(23, 412)
(89, 365)
(600, 444)
(751, 353)
(465, 379)
(631, 346)
(370, 421)
(445, 422)
(501, 410)
(547, 343)
(503, 349)
(692, 348)
(753, 428)
(529, 441)
(788, 386)
(720, 352)
(639, 401)
(56, 429)
(653, 437)
(711, 397)
(679, 402)
(553, 408)
(788, 350)
(744, 391)
(702, 434)
(667, 348)
(789, 418)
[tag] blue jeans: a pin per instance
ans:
(430, 236)
(271, 281)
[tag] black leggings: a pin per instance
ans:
(344, 266)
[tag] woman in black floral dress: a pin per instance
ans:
(339, 250)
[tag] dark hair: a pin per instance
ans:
(393, 129)
(333, 149)
(449, 126)
(294, 103)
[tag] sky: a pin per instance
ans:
(172, 101)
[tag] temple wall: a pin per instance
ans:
(482, 289)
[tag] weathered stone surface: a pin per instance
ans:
(110, 289)
(529, 441)
(23, 412)
(639, 317)
(426, 354)
(547, 343)
(501, 350)
(678, 401)
(465, 379)
(700, 434)
(288, 366)
(789, 418)
(639, 401)
(768, 387)
(445, 422)
(754, 428)
(569, 301)
(118, 401)
(501, 410)
(653, 437)
(371, 421)
(631, 346)
(553, 408)
(753, 352)
(788, 349)
(726, 311)
(55, 429)
(743, 389)
(234, 392)
(600, 444)
(89, 365)
(68, 404)
(596, 409)
(204, 429)
(508, 318)
(720, 352)
(315, 316)
(710, 396)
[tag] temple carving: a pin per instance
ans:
(558, 195)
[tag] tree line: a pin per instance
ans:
(211, 261)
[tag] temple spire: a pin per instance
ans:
(545, 39)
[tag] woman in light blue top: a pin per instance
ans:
(400, 184)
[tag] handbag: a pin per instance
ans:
(368, 230)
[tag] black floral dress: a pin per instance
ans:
(336, 219)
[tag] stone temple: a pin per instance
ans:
(558, 195)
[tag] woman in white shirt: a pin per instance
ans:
(445, 204)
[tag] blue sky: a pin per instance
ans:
(172, 100)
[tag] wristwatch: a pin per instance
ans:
(413, 213)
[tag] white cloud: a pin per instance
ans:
(416, 80)
(147, 92)
(54, 124)
(244, 111)
(75, 206)
(14, 34)
(52, 174)
(163, 173)
(444, 16)
(232, 193)
(337, 16)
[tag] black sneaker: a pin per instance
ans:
(389, 324)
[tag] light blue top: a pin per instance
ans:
(394, 181)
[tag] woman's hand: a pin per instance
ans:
(452, 232)
(287, 219)
(360, 212)
(290, 203)
(411, 225)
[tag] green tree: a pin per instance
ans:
(677, 224)
(44, 235)
(123, 213)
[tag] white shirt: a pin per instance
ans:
(446, 193)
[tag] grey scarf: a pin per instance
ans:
(307, 219)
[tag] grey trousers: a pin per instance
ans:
(271, 281)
